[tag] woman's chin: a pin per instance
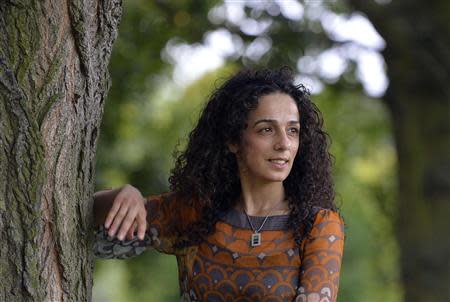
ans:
(276, 178)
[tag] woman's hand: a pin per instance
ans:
(126, 214)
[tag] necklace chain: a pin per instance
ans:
(255, 239)
(262, 224)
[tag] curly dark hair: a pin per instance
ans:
(206, 173)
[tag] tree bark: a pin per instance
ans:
(418, 65)
(53, 83)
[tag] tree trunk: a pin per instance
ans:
(418, 65)
(53, 83)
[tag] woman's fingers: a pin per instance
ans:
(127, 223)
(112, 213)
(142, 224)
(130, 232)
(118, 218)
(118, 204)
(127, 214)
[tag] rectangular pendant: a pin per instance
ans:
(256, 239)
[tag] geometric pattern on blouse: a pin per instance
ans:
(225, 267)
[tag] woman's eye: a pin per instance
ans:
(293, 130)
(265, 130)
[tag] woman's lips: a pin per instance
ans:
(279, 163)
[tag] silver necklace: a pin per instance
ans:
(255, 239)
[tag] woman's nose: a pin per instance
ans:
(283, 142)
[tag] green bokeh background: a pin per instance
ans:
(148, 116)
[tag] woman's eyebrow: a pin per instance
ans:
(265, 120)
(271, 121)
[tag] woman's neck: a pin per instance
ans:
(262, 200)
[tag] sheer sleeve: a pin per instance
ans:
(166, 218)
(322, 257)
(112, 248)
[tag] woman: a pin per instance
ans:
(251, 215)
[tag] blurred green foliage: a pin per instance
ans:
(147, 117)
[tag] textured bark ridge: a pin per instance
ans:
(53, 83)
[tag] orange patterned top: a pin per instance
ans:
(226, 268)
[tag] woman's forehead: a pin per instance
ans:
(275, 106)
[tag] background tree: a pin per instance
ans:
(53, 85)
(418, 63)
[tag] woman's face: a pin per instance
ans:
(270, 141)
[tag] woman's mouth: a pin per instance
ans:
(279, 162)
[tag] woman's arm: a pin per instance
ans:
(121, 211)
(164, 216)
(322, 258)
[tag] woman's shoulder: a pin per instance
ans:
(326, 213)
(326, 220)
